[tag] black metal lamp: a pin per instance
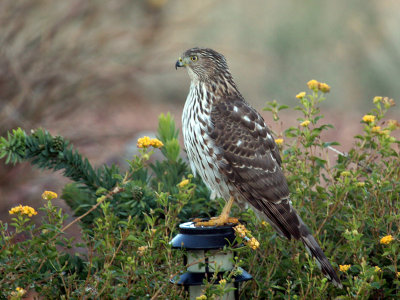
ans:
(203, 256)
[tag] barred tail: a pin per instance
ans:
(322, 261)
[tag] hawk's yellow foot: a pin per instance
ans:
(222, 219)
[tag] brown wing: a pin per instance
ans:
(250, 159)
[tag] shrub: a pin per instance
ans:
(350, 202)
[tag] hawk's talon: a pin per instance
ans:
(216, 221)
(221, 220)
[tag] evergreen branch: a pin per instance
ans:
(55, 153)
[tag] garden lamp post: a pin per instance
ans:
(204, 257)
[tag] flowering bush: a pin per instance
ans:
(349, 200)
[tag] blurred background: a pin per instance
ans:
(100, 72)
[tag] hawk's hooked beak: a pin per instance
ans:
(179, 63)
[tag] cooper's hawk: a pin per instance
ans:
(232, 149)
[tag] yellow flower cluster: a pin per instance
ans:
(242, 231)
(368, 118)
(315, 85)
(23, 210)
(376, 129)
(377, 99)
(305, 123)
(202, 297)
(301, 95)
(377, 269)
(279, 141)
(387, 239)
(18, 293)
(183, 183)
(344, 268)
(48, 195)
(253, 243)
(142, 249)
(145, 142)
(345, 174)
(222, 281)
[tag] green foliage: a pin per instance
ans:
(349, 200)
(13, 147)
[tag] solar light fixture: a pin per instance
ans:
(204, 256)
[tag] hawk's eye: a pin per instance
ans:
(193, 58)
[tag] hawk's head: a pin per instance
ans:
(203, 64)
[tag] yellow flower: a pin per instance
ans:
(313, 84)
(48, 195)
(344, 268)
(263, 223)
(360, 184)
(222, 281)
(305, 123)
(368, 118)
(18, 293)
(376, 129)
(145, 142)
(279, 141)
(142, 249)
(156, 143)
(323, 87)
(387, 239)
(345, 174)
(377, 99)
(241, 230)
(385, 133)
(377, 269)
(183, 183)
(253, 243)
(398, 274)
(301, 95)
(202, 297)
(23, 210)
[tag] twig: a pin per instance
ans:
(176, 273)
(114, 191)
(368, 169)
